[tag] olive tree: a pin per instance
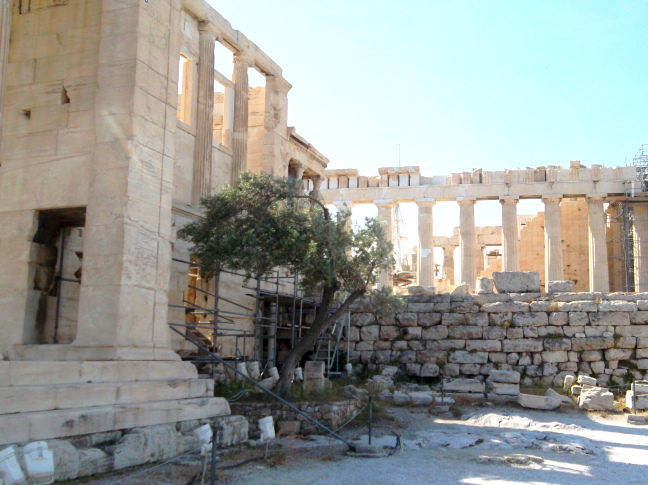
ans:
(263, 222)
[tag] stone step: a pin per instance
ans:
(23, 373)
(21, 399)
(44, 425)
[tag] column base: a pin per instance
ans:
(59, 353)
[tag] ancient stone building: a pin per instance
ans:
(114, 125)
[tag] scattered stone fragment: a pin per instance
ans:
(517, 281)
(583, 379)
(484, 286)
(637, 419)
(538, 402)
(596, 399)
(561, 286)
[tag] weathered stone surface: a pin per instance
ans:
(362, 319)
(538, 402)
(555, 356)
(508, 306)
(578, 306)
(465, 332)
(411, 333)
(484, 345)
(429, 370)
(479, 319)
(464, 357)
(640, 403)
(506, 389)
(586, 380)
(516, 281)
(610, 318)
(596, 399)
(530, 318)
(568, 381)
(484, 286)
(555, 395)
(428, 319)
(618, 354)
(642, 305)
(503, 376)
(591, 355)
(578, 318)
(558, 318)
(407, 319)
(522, 345)
(592, 343)
(413, 369)
(640, 317)
(465, 385)
(557, 344)
(453, 319)
(389, 333)
(617, 306)
(421, 290)
(494, 333)
(435, 333)
(369, 332)
(420, 398)
(560, 286)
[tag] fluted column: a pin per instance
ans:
(449, 264)
(204, 117)
(510, 258)
(298, 175)
(640, 213)
(344, 206)
(242, 61)
(426, 242)
(480, 259)
(386, 215)
(5, 30)
(599, 278)
(615, 247)
(553, 241)
(467, 240)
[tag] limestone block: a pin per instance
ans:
(610, 318)
(464, 357)
(642, 304)
(435, 333)
(407, 319)
(499, 318)
(530, 332)
(586, 380)
(497, 357)
(401, 399)
(641, 363)
(451, 370)
(484, 286)
(553, 394)
(364, 346)
(596, 331)
(530, 319)
(642, 343)
(512, 358)
(428, 319)
(639, 317)
(538, 402)
(617, 306)
(505, 306)
(380, 345)
(514, 333)
(388, 333)
(618, 354)
(596, 399)
(558, 318)
(421, 398)
(516, 281)
(568, 381)
(369, 332)
(429, 370)
(494, 333)
(399, 345)
(523, 345)
(479, 319)
(578, 318)
(446, 344)
(525, 359)
(353, 334)
(470, 369)
(541, 306)
(411, 333)
(464, 306)
(506, 389)
(362, 319)
(484, 345)
(598, 368)
(555, 356)
(642, 353)
(93, 461)
(465, 332)
(462, 289)
(557, 344)
(421, 290)
(592, 343)
(506, 377)
(633, 331)
(637, 419)
(382, 356)
(591, 355)
(453, 319)
(561, 286)
(578, 306)
(406, 357)
(465, 385)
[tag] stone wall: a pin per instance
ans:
(330, 414)
(541, 336)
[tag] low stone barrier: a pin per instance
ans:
(542, 336)
(330, 414)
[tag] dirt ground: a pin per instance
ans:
(487, 445)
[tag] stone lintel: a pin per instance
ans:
(425, 202)
(384, 202)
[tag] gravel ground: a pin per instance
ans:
(495, 446)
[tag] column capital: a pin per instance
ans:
(425, 202)
(448, 247)
(505, 199)
(466, 200)
(552, 199)
(384, 202)
(206, 27)
(245, 58)
(595, 197)
(278, 83)
(340, 204)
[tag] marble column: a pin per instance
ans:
(5, 31)
(275, 123)
(426, 242)
(599, 279)
(298, 176)
(242, 62)
(480, 259)
(315, 193)
(510, 258)
(615, 247)
(386, 215)
(553, 241)
(449, 264)
(640, 215)
(467, 241)
(204, 118)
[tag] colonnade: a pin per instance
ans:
(471, 255)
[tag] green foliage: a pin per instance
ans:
(554, 336)
(262, 223)
(384, 304)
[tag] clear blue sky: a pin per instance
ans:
(459, 84)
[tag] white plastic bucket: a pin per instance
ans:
(39, 462)
(203, 433)
(253, 370)
(274, 373)
(240, 366)
(10, 470)
(349, 368)
(299, 374)
(266, 425)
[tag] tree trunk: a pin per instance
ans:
(322, 322)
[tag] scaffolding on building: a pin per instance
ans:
(640, 161)
(280, 316)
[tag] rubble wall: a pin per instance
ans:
(541, 336)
